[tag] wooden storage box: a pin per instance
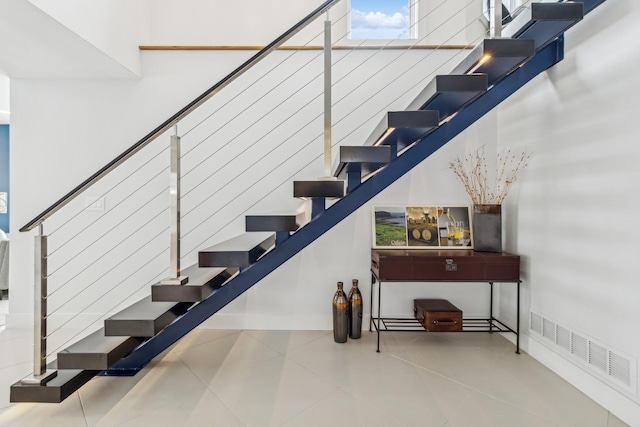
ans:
(438, 315)
(444, 265)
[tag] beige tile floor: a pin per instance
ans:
(303, 378)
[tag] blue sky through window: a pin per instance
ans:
(379, 19)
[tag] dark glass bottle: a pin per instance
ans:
(340, 315)
(355, 311)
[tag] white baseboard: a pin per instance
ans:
(272, 322)
(615, 402)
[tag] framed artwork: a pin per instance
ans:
(422, 227)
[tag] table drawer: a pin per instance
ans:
(440, 265)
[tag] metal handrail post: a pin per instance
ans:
(175, 277)
(495, 21)
(40, 373)
(327, 97)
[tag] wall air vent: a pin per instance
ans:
(536, 323)
(613, 367)
(579, 346)
(563, 338)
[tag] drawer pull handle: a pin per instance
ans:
(448, 322)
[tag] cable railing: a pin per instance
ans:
(234, 162)
(359, 125)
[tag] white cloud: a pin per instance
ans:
(379, 20)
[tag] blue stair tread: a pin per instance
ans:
(96, 351)
(240, 251)
(144, 318)
(202, 282)
(543, 22)
(275, 221)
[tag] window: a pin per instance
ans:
(383, 19)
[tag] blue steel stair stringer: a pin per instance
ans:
(138, 358)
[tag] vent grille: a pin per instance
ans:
(579, 346)
(549, 329)
(563, 338)
(620, 368)
(598, 356)
(536, 323)
(610, 365)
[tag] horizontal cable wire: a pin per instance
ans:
(247, 128)
(164, 191)
(420, 83)
(101, 318)
(95, 281)
(109, 190)
(258, 80)
(300, 128)
(283, 122)
(103, 275)
(262, 198)
(307, 144)
(284, 101)
(362, 42)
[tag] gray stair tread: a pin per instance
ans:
(421, 119)
(448, 93)
(361, 158)
(240, 251)
(202, 282)
(364, 154)
(198, 276)
(96, 351)
(145, 309)
(240, 243)
(275, 221)
(310, 189)
(473, 87)
(543, 22)
(55, 391)
(144, 318)
(504, 55)
(397, 119)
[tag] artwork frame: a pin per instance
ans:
(422, 226)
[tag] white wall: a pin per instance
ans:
(572, 216)
(243, 22)
(85, 123)
(4, 100)
(116, 27)
(200, 22)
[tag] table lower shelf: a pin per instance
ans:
(408, 324)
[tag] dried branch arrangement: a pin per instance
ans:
(472, 172)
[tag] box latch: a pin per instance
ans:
(450, 266)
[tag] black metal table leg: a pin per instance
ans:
(518, 320)
(379, 293)
(491, 307)
(373, 280)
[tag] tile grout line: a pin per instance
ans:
(475, 390)
(222, 402)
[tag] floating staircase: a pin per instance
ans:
(491, 72)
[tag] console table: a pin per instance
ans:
(426, 265)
